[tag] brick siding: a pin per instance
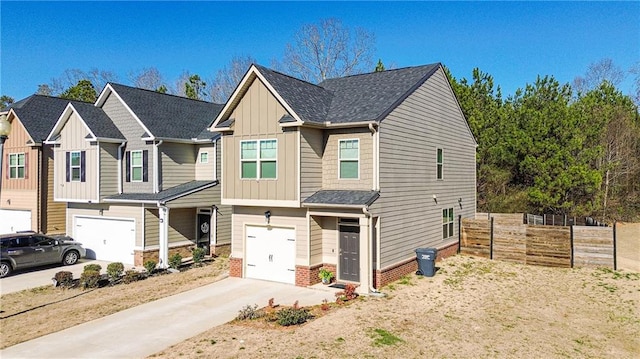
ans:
(139, 257)
(235, 267)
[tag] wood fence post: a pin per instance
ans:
(571, 239)
(491, 241)
(459, 232)
(615, 260)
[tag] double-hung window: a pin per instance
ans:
(136, 166)
(75, 166)
(440, 162)
(447, 223)
(17, 167)
(258, 159)
(349, 159)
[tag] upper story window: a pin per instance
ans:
(349, 158)
(17, 165)
(440, 162)
(76, 163)
(137, 166)
(204, 157)
(258, 159)
(447, 223)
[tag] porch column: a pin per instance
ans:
(163, 256)
(365, 262)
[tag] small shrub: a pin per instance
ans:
(248, 312)
(114, 271)
(150, 266)
(131, 276)
(293, 316)
(93, 267)
(64, 279)
(349, 293)
(198, 255)
(175, 261)
(325, 305)
(89, 278)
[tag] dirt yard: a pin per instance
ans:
(471, 308)
(32, 313)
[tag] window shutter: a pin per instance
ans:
(6, 161)
(26, 166)
(127, 160)
(145, 166)
(82, 165)
(68, 166)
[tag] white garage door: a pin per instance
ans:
(12, 221)
(106, 239)
(271, 254)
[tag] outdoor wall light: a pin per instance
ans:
(435, 199)
(267, 216)
(460, 202)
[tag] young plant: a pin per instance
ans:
(248, 312)
(114, 271)
(349, 293)
(93, 267)
(150, 266)
(198, 255)
(64, 279)
(175, 261)
(90, 278)
(131, 276)
(325, 275)
(293, 316)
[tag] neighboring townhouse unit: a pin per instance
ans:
(351, 175)
(26, 196)
(139, 172)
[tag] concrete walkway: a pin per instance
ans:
(141, 331)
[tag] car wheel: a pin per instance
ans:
(5, 269)
(70, 258)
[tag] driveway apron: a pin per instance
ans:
(146, 329)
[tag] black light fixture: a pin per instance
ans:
(267, 216)
(460, 202)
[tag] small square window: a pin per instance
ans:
(204, 157)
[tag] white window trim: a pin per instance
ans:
(440, 164)
(71, 166)
(200, 157)
(447, 223)
(16, 166)
(258, 160)
(132, 166)
(349, 159)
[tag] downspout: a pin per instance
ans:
(372, 290)
(120, 148)
(156, 180)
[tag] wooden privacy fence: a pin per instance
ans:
(554, 246)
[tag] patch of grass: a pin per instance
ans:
(406, 280)
(382, 337)
(340, 340)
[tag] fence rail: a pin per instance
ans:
(504, 238)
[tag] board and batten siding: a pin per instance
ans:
(134, 212)
(54, 213)
(311, 151)
(204, 171)
(72, 138)
(133, 132)
(178, 164)
(256, 118)
(409, 138)
(330, 165)
(108, 169)
(280, 217)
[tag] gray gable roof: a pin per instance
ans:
(98, 121)
(39, 113)
(168, 116)
(166, 195)
(342, 197)
(366, 97)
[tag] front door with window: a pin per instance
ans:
(349, 252)
(204, 231)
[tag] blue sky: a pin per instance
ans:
(513, 41)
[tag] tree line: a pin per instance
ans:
(555, 148)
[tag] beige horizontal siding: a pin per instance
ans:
(311, 152)
(178, 164)
(330, 164)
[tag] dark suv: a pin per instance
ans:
(29, 249)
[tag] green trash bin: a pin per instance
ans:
(426, 258)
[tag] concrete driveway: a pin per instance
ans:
(36, 277)
(141, 331)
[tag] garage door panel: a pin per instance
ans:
(270, 254)
(107, 239)
(12, 221)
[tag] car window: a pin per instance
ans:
(19, 242)
(43, 241)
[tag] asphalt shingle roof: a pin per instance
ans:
(168, 116)
(366, 97)
(343, 197)
(168, 194)
(39, 113)
(98, 121)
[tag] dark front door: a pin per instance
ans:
(204, 231)
(350, 253)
